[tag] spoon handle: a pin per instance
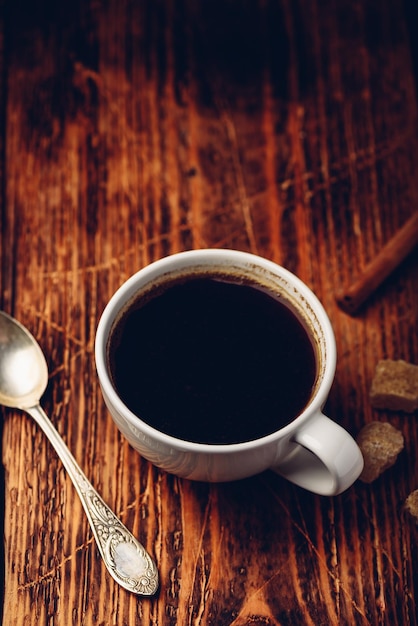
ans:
(125, 558)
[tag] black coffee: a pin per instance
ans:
(211, 361)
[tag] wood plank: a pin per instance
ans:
(136, 130)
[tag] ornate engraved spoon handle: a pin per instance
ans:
(125, 558)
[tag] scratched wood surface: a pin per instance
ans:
(131, 130)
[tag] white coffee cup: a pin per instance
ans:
(311, 451)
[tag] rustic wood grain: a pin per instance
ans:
(132, 130)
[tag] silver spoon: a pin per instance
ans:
(23, 379)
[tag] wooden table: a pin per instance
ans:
(131, 130)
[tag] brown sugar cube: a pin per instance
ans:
(380, 444)
(395, 386)
(411, 505)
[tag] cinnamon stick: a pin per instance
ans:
(389, 257)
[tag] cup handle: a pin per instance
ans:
(325, 459)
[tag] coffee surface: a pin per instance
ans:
(211, 361)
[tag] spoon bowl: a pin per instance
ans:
(23, 368)
(23, 380)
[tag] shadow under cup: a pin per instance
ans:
(226, 460)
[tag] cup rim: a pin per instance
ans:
(155, 269)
